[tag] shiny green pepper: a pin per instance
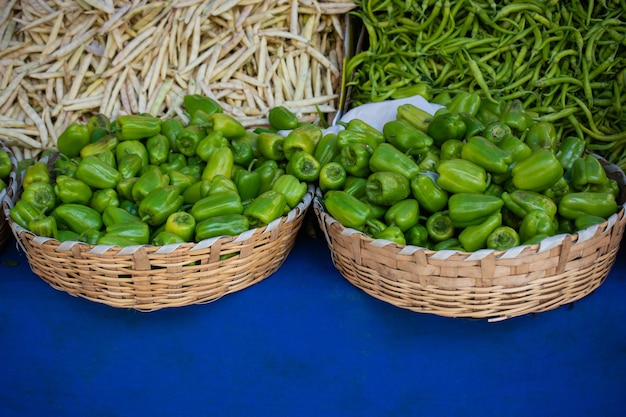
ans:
(137, 231)
(445, 126)
(417, 117)
(521, 202)
(266, 208)
(404, 214)
(271, 146)
(387, 157)
(327, 149)
(150, 180)
(586, 171)
(134, 147)
(137, 126)
(475, 237)
(228, 125)
(130, 165)
(387, 188)
(105, 143)
(73, 139)
(503, 238)
(515, 147)
(392, 234)
(428, 193)
(248, 183)
(72, 190)
(465, 102)
(96, 173)
(189, 138)
(540, 171)
(41, 195)
(171, 128)
(537, 222)
(196, 191)
(38, 172)
(461, 176)
(467, 209)
(569, 150)
(24, 212)
(541, 135)
(77, 217)
(514, 115)
(487, 155)
(439, 226)
(355, 159)
(217, 204)
(158, 148)
(358, 125)
(117, 215)
(195, 102)
(155, 208)
(282, 118)
(347, 209)
(291, 188)
(224, 225)
(181, 223)
(209, 144)
(220, 162)
(406, 138)
(417, 235)
(303, 166)
(574, 205)
(299, 139)
(332, 176)
(44, 226)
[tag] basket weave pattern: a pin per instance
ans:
(149, 278)
(485, 284)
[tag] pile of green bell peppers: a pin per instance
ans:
(143, 180)
(477, 174)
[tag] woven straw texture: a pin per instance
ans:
(149, 278)
(8, 193)
(485, 284)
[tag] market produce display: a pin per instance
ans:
(564, 60)
(139, 179)
(6, 165)
(61, 61)
(475, 175)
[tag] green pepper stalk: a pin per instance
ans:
(387, 188)
(266, 208)
(428, 193)
(403, 214)
(347, 209)
(503, 238)
(332, 176)
(487, 155)
(224, 225)
(38, 172)
(181, 223)
(475, 237)
(137, 126)
(77, 217)
(71, 190)
(439, 226)
(406, 138)
(41, 195)
(387, 157)
(303, 166)
(540, 171)
(355, 159)
(74, 138)
(291, 188)
(282, 118)
(461, 176)
(155, 208)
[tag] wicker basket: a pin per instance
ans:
(485, 284)
(149, 278)
(8, 193)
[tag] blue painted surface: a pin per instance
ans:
(304, 342)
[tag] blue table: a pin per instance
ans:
(304, 342)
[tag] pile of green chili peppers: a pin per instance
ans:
(475, 175)
(565, 60)
(142, 180)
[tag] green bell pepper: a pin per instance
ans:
(217, 204)
(358, 125)
(521, 202)
(176, 161)
(541, 135)
(515, 147)
(98, 125)
(65, 166)
(387, 188)
(355, 186)
(449, 244)
(327, 149)
(451, 149)
(537, 222)
(495, 132)
(189, 138)
(404, 214)
(574, 205)
(137, 231)
(487, 155)
(243, 154)
(406, 138)
(588, 220)
(74, 138)
(465, 102)
(228, 125)
(271, 146)
(346, 136)
(221, 162)
(266, 208)
(96, 173)
(569, 150)
(269, 172)
(90, 236)
(224, 225)
(181, 223)
(163, 238)
(134, 147)
(158, 148)
(429, 160)
(23, 213)
(558, 190)
(72, 190)
(303, 166)
(105, 143)
(503, 238)
(586, 171)
(195, 102)
(137, 126)
(155, 208)
(540, 171)
(111, 240)
(210, 143)
(473, 126)
(41, 195)
(461, 176)
(117, 215)
(475, 237)
(182, 180)
(417, 117)
(439, 226)
(332, 176)
(248, 184)
(347, 209)
(129, 166)
(124, 188)
(355, 159)
(428, 193)
(44, 226)
(291, 188)
(108, 157)
(468, 209)
(36, 173)
(196, 191)
(515, 115)
(417, 235)
(77, 217)
(387, 157)
(303, 138)
(221, 183)
(150, 180)
(171, 128)
(282, 118)
(392, 234)
(445, 126)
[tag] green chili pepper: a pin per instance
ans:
(537, 222)
(347, 209)
(446, 125)
(540, 171)
(355, 159)
(461, 176)
(73, 139)
(387, 188)
(303, 166)
(487, 155)
(41, 195)
(428, 193)
(475, 237)
(266, 208)
(36, 173)
(541, 135)
(569, 150)
(221, 162)
(271, 146)
(77, 217)
(194, 102)
(417, 235)
(291, 188)
(574, 205)
(137, 126)
(117, 215)
(223, 225)
(587, 170)
(403, 214)
(467, 209)
(406, 138)
(150, 180)
(503, 238)
(521, 202)
(72, 190)
(387, 157)
(332, 176)
(155, 208)
(182, 224)
(171, 128)
(439, 226)
(24, 212)
(217, 204)
(281, 118)
(417, 117)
